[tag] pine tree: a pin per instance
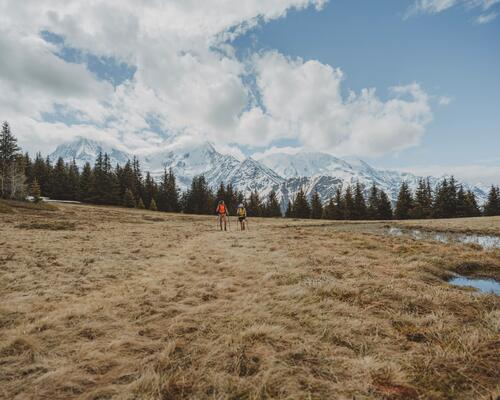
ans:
(289, 210)
(301, 208)
(471, 204)
(316, 206)
(231, 199)
(50, 172)
(254, 205)
(41, 173)
(152, 205)
(273, 208)
(492, 206)
(404, 203)
(373, 203)
(445, 202)
(150, 190)
(240, 198)
(462, 206)
(35, 191)
(422, 207)
(338, 211)
(329, 210)
(8, 154)
(199, 199)
(73, 181)
(60, 181)
(28, 169)
(384, 211)
(99, 181)
(86, 183)
(112, 195)
(348, 204)
(137, 188)
(168, 197)
(126, 178)
(221, 193)
(128, 199)
(140, 204)
(359, 210)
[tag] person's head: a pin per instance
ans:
(240, 205)
(221, 201)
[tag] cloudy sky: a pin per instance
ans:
(408, 84)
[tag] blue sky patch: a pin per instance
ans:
(104, 68)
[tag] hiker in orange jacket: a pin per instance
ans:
(222, 214)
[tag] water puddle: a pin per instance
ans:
(485, 241)
(483, 285)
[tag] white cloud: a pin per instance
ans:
(486, 18)
(433, 6)
(189, 79)
(306, 98)
(230, 150)
(276, 150)
(186, 76)
(437, 6)
(444, 100)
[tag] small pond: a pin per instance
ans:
(485, 241)
(483, 285)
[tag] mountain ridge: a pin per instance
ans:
(283, 173)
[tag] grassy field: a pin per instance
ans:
(109, 303)
(481, 225)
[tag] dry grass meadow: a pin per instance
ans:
(110, 303)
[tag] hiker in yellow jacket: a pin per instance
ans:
(241, 212)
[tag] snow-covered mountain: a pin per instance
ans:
(84, 150)
(305, 164)
(190, 162)
(324, 173)
(251, 175)
(283, 173)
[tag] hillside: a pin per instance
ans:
(110, 303)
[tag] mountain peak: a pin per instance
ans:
(84, 150)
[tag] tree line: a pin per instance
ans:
(127, 185)
(350, 204)
(448, 199)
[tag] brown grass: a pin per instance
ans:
(27, 205)
(482, 225)
(5, 208)
(50, 226)
(141, 305)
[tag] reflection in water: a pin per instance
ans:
(485, 241)
(483, 285)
